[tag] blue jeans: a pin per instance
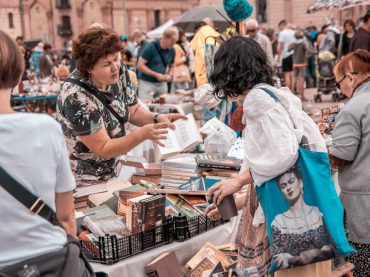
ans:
(311, 72)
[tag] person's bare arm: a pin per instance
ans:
(142, 66)
(139, 115)
(65, 211)
(105, 147)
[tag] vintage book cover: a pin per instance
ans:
(182, 205)
(185, 137)
(171, 209)
(124, 195)
(217, 162)
(132, 215)
(165, 265)
(212, 253)
(204, 265)
(91, 239)
(151, 211)
(103, 221)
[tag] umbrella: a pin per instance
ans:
(339, 4)
(190, 18)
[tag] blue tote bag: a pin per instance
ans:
(304, 216)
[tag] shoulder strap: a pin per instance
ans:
(98, 95)
(160, 55)
(35, 204)
(304, 141)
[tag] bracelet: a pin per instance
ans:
(155, 118)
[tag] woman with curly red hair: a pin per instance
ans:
(94, 104)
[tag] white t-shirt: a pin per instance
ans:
(32, 151)
(286, 36)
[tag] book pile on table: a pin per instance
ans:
(209, 261)
(144, 171)
(178, 170)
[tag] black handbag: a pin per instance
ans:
(66, 262)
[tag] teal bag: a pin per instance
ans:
(304, 216)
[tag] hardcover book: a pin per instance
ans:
(133, 213)
(212, 253)
(165, 265)
(124, 195)
(217, 161)
(103, 221)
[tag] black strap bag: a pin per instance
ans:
(66, 262)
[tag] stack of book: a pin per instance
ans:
(209, 261)
(144, 171)
(83, 191)
(138, 210)
(100, 221)
(178, 170)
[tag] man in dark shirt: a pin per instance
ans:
(153, 64)
(46, 63)
(361, 40)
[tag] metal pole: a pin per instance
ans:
(125, 19)
(21, 9)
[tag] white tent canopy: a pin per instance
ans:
(157, 32)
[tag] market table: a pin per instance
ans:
(36, 103)
(134, 266)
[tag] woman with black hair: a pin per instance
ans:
(273, 132)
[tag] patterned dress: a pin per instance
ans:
(81, 114)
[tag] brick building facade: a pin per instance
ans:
(57, 21)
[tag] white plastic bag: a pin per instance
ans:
(219, 138)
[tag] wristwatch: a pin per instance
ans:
(155, 118)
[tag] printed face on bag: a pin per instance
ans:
(291, 187)
(299, 234)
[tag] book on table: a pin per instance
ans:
(184, 138)
(145, 212)
(142, 167)
(165, 265)
(195, 186)
(217, 161)
(209, 251)
(103, 221)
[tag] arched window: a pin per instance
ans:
(10, 20)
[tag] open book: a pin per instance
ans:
(185, 137)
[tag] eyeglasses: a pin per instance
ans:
(337, 84)
(250, 31)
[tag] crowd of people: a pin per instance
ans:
(107, 75)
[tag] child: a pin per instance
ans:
(301, 51)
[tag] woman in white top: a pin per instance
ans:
(33, 152)
(272, 140)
